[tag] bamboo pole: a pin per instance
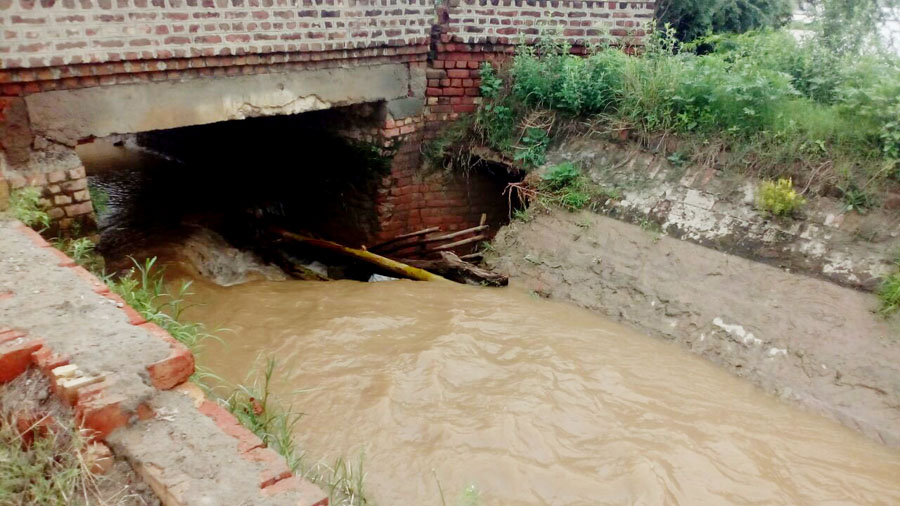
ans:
(392, 266)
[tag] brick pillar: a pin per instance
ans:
(30, 160)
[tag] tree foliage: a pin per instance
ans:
(696, 18)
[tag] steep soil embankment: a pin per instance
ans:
(802, 338)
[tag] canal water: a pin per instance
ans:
(530, 401)
(441, 388)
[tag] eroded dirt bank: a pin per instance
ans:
(805, 339)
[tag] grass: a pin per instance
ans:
(889, 294)
(51, 469)
(25, 206)
(253, 405)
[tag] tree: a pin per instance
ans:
(696, 18)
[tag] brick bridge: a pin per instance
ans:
(75, 70)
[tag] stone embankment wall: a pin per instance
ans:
(126, 381)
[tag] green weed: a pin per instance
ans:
(779, 197)
(889, 294)
(25, 206)
(99, 199)
(51, 469)
(144, 289)
(857, 199)
(82, 251)
(253, 405)
(565, 185)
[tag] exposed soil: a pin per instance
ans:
(806, 339)
(29, 396)
(705, 204)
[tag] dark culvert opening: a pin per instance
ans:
(312, 173)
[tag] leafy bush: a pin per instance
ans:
(695, 18)
(779, 197)
(560, 176)
(566, 186)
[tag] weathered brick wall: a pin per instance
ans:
(64, 32)
(514, 21)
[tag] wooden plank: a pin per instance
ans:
(457, 244)
(401, 237)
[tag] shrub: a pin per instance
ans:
(566, 186)
(560, 176)
(779, 197)
(695, 18)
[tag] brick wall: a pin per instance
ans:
(64, 32)
(512, 21)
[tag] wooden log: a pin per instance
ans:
(398, 268)
(454, 268)
(401, 237)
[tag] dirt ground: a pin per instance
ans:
(118, 486)
(805, 339)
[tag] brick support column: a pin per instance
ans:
(30, 160)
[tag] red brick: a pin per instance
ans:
(309, 494)
(96, 285)
(134, 317)
(33, 236)
(64, 260)
(46, 360)
(98, 457)
(15, 356)
(274, 467)
(101, 414)
(7, 334)
(246, 439)
(174, 369)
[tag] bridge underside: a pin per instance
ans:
(71, 116)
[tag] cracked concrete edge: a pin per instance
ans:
(153, 428)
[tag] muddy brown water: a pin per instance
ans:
(531, 401)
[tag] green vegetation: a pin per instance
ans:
(49, 471)
(779, 197)
(99, 199)
(253, 405)
(889, 294)
(82, 251)
(25, 206)
(566, 186)
(761, 103)
(696, 18)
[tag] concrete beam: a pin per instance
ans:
(67, 116)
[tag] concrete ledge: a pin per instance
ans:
(67, 116)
